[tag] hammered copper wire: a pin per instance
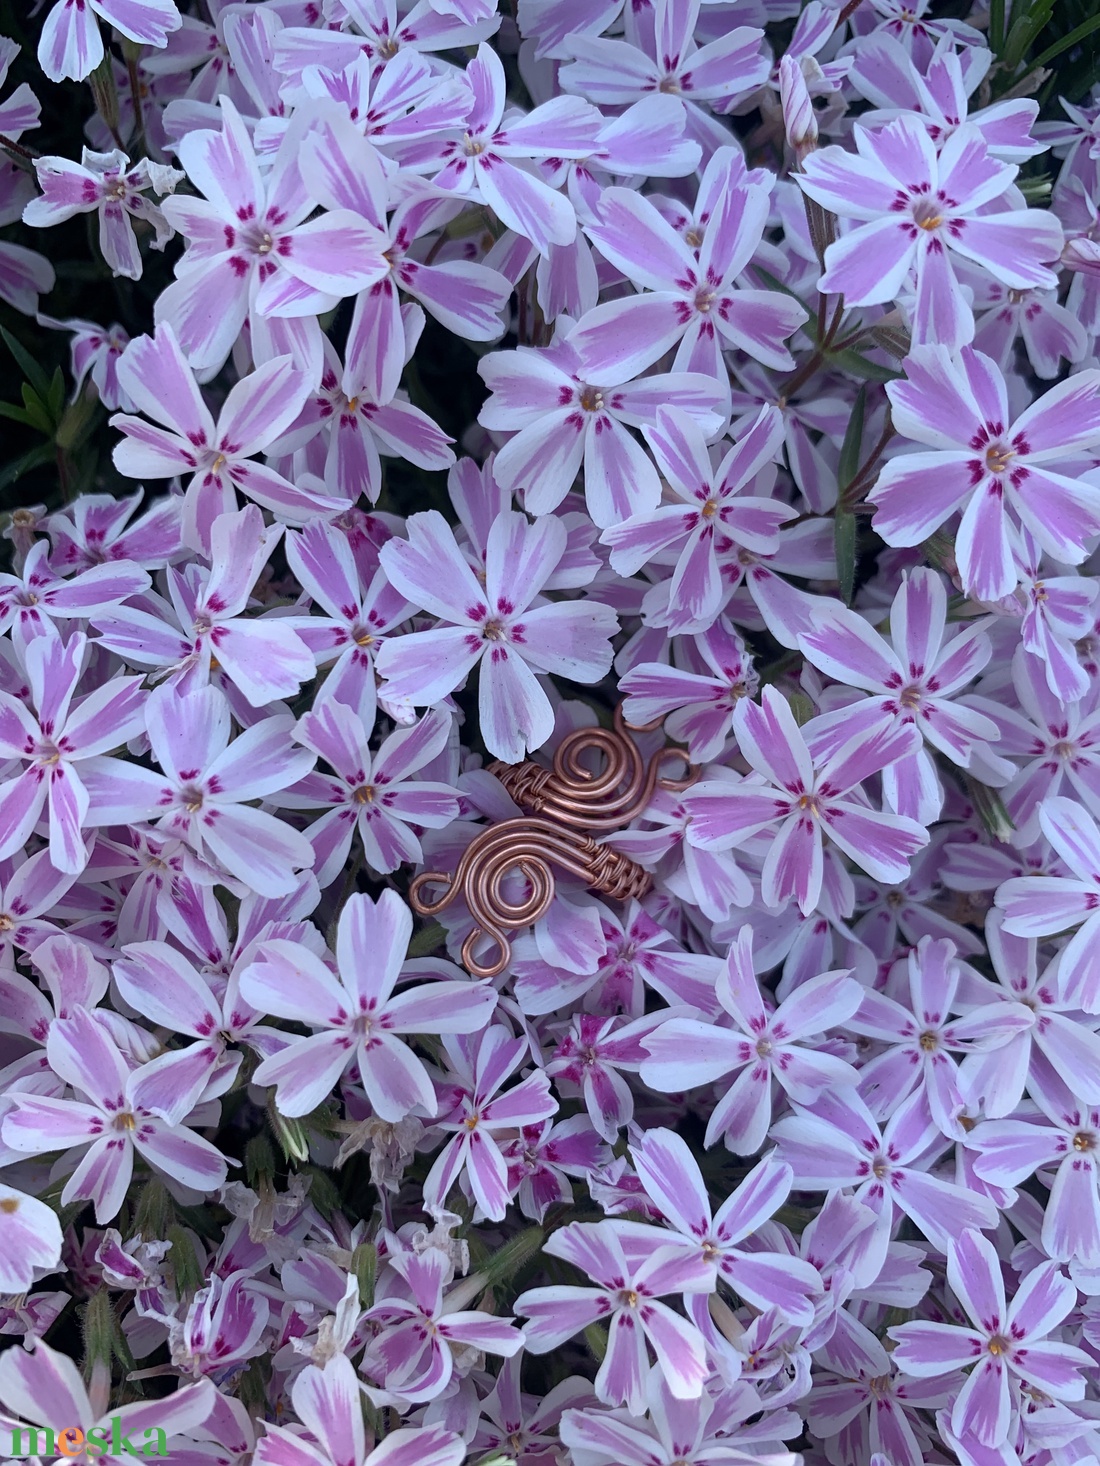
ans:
(582, 802)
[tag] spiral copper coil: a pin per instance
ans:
(569, 803)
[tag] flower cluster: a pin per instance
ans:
(783, 359)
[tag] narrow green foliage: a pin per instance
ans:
(364, 1264)
(515, 1254)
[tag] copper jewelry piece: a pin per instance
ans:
(569, 803)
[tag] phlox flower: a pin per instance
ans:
(44, 1386)
(106, 184)
(559, 422)
(664, 57)
(544, 1156)
(996, 470)
(629, 955)
(73, 979)
(344, 172)
(94, 353)
(421, 1327)
(914, 206)
(716, 519)
(380, 35)
(920, 1036)
(221, 1327)
(262, 657)
(345, 425)
(110, 1122)
(32, 602)
(372, 795)
(838, 1143)
(483, 163)
(62, 748)
(694, 304)
(1058, 1139)
(876, 1410)
(590, 1056)
(160, 983)
(476, 1111)
(97, 530)
(30, 887)
(632, 1269)
(911, 681)
(495, 624)
(696, 699)
(1007, 1343)
(205, 781)
(885, 72)
(30, 1240)
(1042, 905)
(392, 106)
(1049, 332)
(261, 406)
(327, 1401)
(522, 1423)
(358, 614)
(255, 254)
(808, 797)
(360, 1016)
(1052, 1030)
(671, 1178)
(761, 1047)
(71, 44)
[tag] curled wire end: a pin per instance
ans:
(486, 969)
(419, 884)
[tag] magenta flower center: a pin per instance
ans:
(927, 213)
(191, 798)
(998, 456)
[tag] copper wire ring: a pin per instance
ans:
(580, 803)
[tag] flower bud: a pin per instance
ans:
(799, 118)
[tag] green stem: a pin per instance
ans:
(858, 486)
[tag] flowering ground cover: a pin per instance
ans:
(409, 409)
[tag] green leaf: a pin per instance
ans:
(30, 368)
(1079, 33)
(17, 414)
(595, 1336)
(862, 366)
(894, 339)
(38, 414)
(364, 1264)
(184, 1266)
(1024, 31)
(848, 466)
(773, 284)
(844, 538)
(55, 399)
(34, 459)
(994, 816)
(997, 25)
(513, 1255)
(844, 522)
(427, 940)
